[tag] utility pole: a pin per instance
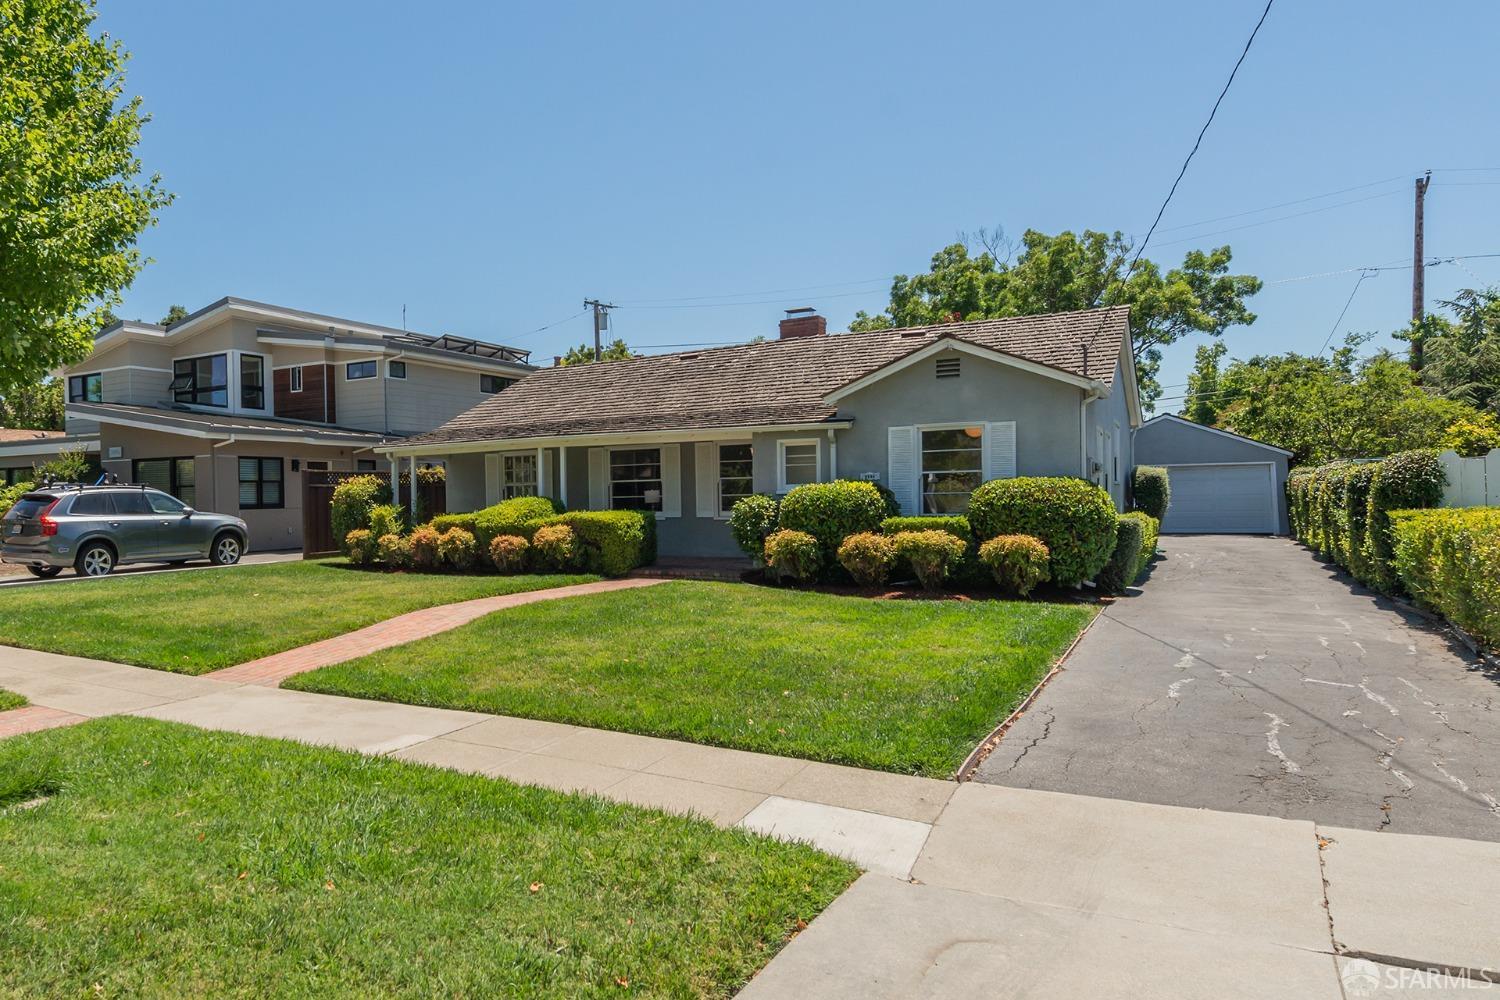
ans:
(601, 323)
(1417, 304)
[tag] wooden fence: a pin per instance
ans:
(1472, 482)
(317, 506)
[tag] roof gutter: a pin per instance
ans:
(680, 435)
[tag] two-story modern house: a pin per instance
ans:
(228, 407)
(930, 412)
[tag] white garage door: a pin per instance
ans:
(1228, 499)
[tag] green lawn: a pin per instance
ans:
(907, 686)
(200, 620)
(170, 861)
(9, 699)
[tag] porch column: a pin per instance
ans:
(411, 498)
(562, 474)
(833, 456)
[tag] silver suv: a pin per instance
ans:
(96, 528)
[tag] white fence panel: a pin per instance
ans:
(1472, 482)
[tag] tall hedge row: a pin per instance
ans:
(1449, 559)
(1343, 510)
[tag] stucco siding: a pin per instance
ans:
(1046, 413)
(1111, 414)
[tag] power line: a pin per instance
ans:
(1279, 218)
(1213, 112)
(549, 326)
(1326, 340)
(723, 305)
(1284, 204)
(642, 303)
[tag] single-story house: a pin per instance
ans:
(23, 449)
(1222, 482)
(929, 412)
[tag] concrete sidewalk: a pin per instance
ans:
(971, 890)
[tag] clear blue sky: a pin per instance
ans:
(491, 165)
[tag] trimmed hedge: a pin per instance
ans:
(1152, 489)
(1449, 559)
(1074, 518)
(1342, 510)
(868, 557)
(353, 500)
(969, 569)
(1125, 562)
(1150, 533)
(831, 512)
(932, 555)
(609, 542)
(504, 518)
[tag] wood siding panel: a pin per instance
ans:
(307, 404)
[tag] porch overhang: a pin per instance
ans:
(626, 438)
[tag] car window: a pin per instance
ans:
(133, 502)
(96, 504)
(163, 504)
(29, 506)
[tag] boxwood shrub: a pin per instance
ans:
(1017, 562)
(1406, 480)
(609, 542)
(1449, 560)
(751, 519)
(1124, 563)
(969, 569)
(1074, 518)
(831, 512)
(793, 555)
(1150, 533)
(868, 557)
(504, 518)
(932, 555)
(1152, 489)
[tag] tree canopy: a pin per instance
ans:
(1323, 408)
(72, 199)
(175, 314)
(38, 406)
(1459, 358)
(583, 354)
(1074, 271)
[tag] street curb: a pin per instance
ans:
(989, 743)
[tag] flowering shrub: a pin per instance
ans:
(394, 551)
(508, 553)
(1017, 562)
(360, 545)
(424, 547)
(457, 548)
(554, 545)
(868, 557)
(793, 555)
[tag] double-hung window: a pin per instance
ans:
(736, 476)
(85, 388)
(201, 381)
(635, 479)
(952, 468)
(252, 381)
(260, 483)
(170, 475)
(796, 464)
(517, 476)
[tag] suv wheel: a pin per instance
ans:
(45, 572)
(226, 550)
(96, 559)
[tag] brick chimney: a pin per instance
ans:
(804, 322)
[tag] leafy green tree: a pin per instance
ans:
(38, 406)
(72, 201)
(1202, 402)
(583, 354)
(175, 314)
(1461, 356)
(1072, 271)
(1324, 408)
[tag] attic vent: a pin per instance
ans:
(947, 367)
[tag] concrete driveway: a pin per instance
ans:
(1249, 676)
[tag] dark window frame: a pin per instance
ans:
(83, 395)
(390, 369)
(499, 382)
(295, 378)
(259, 387)
(191, 392)
(349, 367)
(636, 485)
(260, 481)
(175, 485)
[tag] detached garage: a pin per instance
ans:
(1222, 483)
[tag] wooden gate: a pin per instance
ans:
(317, 506)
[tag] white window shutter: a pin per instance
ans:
(671, 480)
(705, 478)
(491, 480)
(598, 479)
(543, 472)
(1000, 450)
(901, 460)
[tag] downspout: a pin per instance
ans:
(1089, 395)
(833, 456)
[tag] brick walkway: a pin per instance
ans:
(271, 670)
(33, 719)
